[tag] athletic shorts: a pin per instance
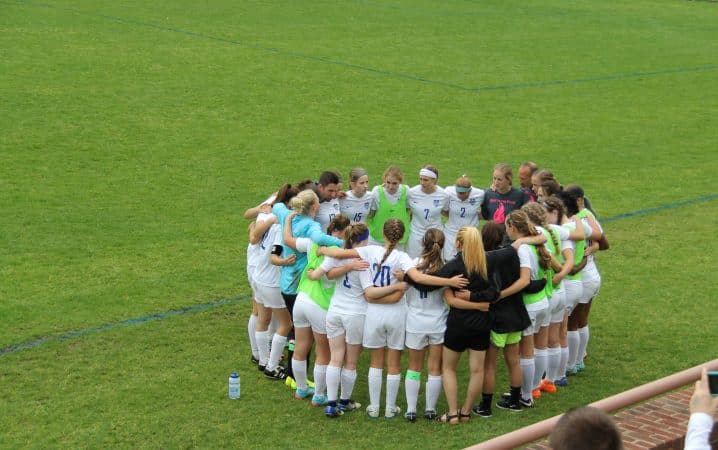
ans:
(351, 326)
(385, 328)
(501, 340)
(459, 342)
(590, 284)
(308, 314)
(419, 341)
(270, 297)
(573, 289)
(557, 305)
(539, 319)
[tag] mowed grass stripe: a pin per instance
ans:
(204, 306)
(375, 70)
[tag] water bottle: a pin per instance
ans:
(234, 386)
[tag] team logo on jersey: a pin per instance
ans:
(436, 203)
(366, 205)
(472, 201)
(336, 206)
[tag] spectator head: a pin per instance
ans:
(526, 170)
(586, 428)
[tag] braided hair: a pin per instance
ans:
(520, 220)
(393, 232)
(537, 215)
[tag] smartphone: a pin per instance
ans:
(713, 382)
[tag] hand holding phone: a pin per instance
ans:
(713, 382)
(705, 396)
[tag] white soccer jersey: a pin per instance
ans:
(327, 212)
(528, 258)
(382, 275)
(348, 297)
(267, 273)
(426, 209)
(355, 208)
(463, 213)
(426, 310)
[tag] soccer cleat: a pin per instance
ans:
(290, 383)
(430, 414)
(310, 383)
(254, 360)
(332, 411)
(526, 403)
(547, 386)
(536, 394)
(571, 371)
(301, 394)
(562, 382)
(372, 411)
(276, 374)
(580, 367)
(410, 416)
(482, 410)
(261, 367)
(506, 396)
(507, 405)
(391, 411)
(319, 400)
(348, 405)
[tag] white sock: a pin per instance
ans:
(273, 325)
(262, 338)
(320, 379)
(251, 331)
(333, 376)
(412, 384)
(393, 383)
(563, 364)
(527, 372)
(349, 378)
(277, 350)
(433, 390)
(299, 369)
(541, 364)
(375, 386)
(573, 343)
(583, 335)
(554, 363)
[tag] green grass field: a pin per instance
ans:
(134, 135)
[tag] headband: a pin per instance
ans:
(427, 173)
(362, 237)
(462, 189)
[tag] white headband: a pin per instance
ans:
(427, 173)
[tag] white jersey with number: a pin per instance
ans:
(356, 208)
(328, 210)
(267, 273)
(348, 297)
(382, 274)
(461, 214)
(425, 213)
(426, 310)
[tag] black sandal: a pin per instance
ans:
(452, 419)
(464, 417)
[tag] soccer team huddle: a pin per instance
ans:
(399, 268)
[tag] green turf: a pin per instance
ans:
(135, 134)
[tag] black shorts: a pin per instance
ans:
(458, 341)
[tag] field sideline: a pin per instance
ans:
(135, 135)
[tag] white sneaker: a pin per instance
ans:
(392, 411)
(372, 411)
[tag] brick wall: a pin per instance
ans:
(658, 424)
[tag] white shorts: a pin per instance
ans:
(573, 289)
(557, 305)
(590, 285)
(539, 319)
(270, 297)
(419, 341)
(308, 314)
(351, 326)
(385, 328)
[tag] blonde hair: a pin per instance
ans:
(472, 251)
(393, 171)
(537, 215)
(520, 220)
(463, 181)
(352, 234)
(303, 202)
(393, 232)
(506, 171)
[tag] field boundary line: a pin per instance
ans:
(205, 306)
(378, 71)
